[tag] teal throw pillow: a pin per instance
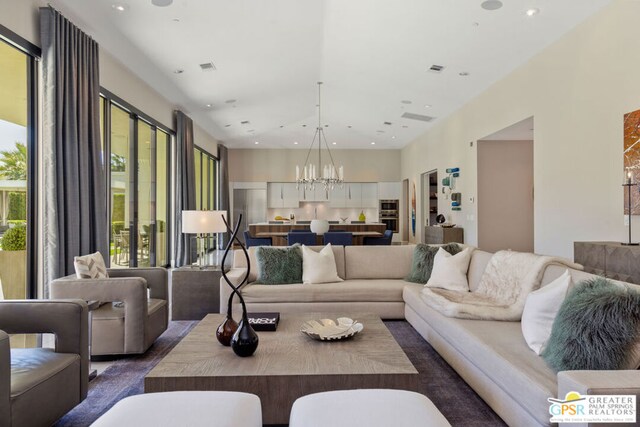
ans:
(422, 264)
(278, 266)
(596, 328)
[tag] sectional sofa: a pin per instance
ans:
(491, 356)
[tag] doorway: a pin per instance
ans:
(505, 189)
(429, 183)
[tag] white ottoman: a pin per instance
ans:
(367, 407)
(185, 409)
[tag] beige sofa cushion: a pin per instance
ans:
(381, 290)
(497, 349)
(239, 261)
(378, 262)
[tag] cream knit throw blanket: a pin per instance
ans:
(508, 279)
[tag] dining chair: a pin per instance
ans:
(338, 238)
(384, 240)
(249, 240)
(307, 238)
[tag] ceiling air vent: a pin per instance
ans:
(436, 68)
(208, 66)
(420, 117)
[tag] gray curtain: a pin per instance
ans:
(185, 190)
(75, 200)
(223, 165)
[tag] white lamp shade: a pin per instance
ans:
(203, 222)
(319, 226)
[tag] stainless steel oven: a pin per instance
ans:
(389, 214)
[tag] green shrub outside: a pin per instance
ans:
(17, 206)
(15, 239)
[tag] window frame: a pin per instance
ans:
(136, 115)
(33, 54)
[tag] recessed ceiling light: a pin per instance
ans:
(491, 4)
(427, 106)
(256, 142)
(304, 126)
(161, 3)
(178, 71)
(176, 20)
(334, 143)
(230, 101)
(373, 143)
(393, 137)
(463, 74)
(295, 143)
(119, 7)
(405, 101)
(227, 125)
(349, 126)
(208, 105)
(281, 126)
(533, 11)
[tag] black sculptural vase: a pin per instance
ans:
(241, 337)
(245, 341)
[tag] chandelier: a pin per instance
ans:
(316, 173)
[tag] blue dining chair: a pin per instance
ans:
(384, 240)
(338, 238)
(256, 241)
(307, 238)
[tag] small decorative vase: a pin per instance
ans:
(225, 331)
(245, 341)
(361, 217)
(319, 226)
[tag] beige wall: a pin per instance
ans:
(264, 165)
(505, 195)
(578, 90)
(21, 17)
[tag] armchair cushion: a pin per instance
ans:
(90, 266)
(33, 366)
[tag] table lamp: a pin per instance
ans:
(202, 223)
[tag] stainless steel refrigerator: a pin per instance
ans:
(252, 204)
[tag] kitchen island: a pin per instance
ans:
(278, 232)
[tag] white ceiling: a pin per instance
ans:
(370, 54)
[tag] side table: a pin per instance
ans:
(194, 292)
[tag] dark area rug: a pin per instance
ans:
(438, 381)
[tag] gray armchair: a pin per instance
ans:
(122, 330)
(40, 385)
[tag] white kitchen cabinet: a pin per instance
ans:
(353, 195)
(274, 195)
(318, 194)
(369, 192)
(337, 197)
(389, 190)
(290, 196)
(282, 195)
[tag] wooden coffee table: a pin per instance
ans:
(287, 364)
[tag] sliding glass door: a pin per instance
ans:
(17, 151)
(139, 193)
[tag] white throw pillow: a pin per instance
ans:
(450, 271)
(90, 266)
(540, 311)
(319, 267)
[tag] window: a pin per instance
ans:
(206, 185)
(18, 83)
(138, 149)
(17, 137)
